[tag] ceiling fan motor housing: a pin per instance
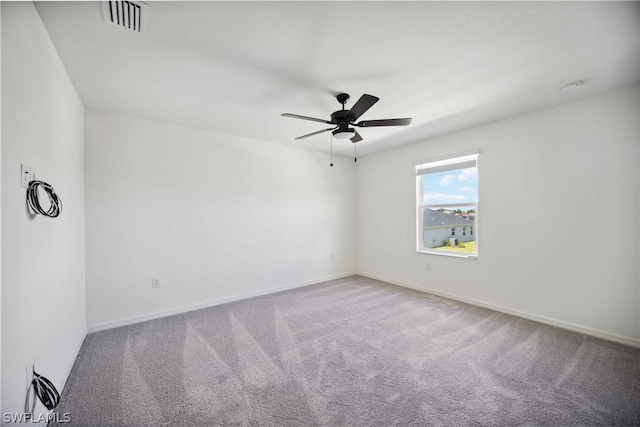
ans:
(340, 117)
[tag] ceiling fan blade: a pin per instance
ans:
(356, 137)
(296, 116)
(384, 122)
(314, 133)
(359, 108)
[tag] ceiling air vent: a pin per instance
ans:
(126, 14)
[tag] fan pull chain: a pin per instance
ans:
(355, 152)
(331, 138)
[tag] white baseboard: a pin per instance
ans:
(609, 336)
(630, 341)
(210, 303)
(73, 361)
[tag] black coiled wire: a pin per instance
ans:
(46, 392)
(34, 202)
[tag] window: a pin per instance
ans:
(447, 198)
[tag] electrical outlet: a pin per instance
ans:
(428, 266)
(25, 175)
(29, 369)
(155, 282)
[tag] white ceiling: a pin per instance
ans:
(234, 67)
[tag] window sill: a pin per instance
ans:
(444, 253)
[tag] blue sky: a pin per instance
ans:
(456, 186)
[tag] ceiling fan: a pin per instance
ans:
(342, 120)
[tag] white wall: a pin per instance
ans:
(214, 216)
(553, 185)
(43, 296)
(0, 214)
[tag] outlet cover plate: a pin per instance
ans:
(25, 174)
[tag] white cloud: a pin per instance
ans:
(465, 189)
(467, 174)
(443, 198)
(447, 180)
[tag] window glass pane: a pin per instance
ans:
(447, 206)
(445, 229)
(456, 186)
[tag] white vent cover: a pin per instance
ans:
(126, 14)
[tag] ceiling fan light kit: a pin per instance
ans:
(344, 133)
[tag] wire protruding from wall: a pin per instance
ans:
(34, 202)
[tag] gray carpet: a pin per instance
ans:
(350, 352)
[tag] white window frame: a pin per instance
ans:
(436, 165)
